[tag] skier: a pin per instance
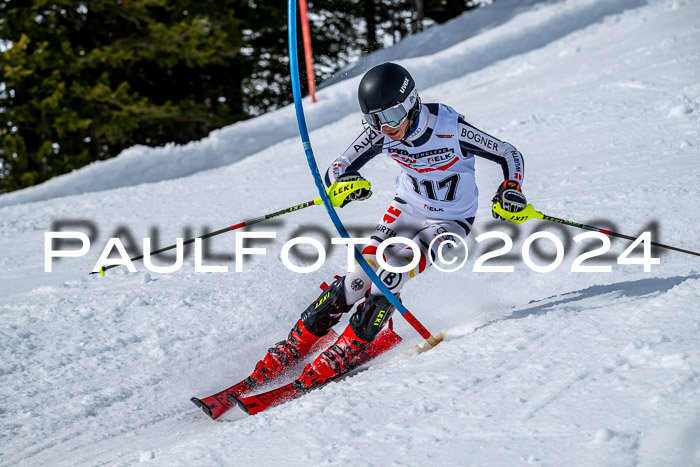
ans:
(435, 194)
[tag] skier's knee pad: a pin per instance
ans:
(371, 317)
(326, 310)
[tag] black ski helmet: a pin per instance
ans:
(385, 86)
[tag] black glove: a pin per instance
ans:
(510, 197)
(359, 195)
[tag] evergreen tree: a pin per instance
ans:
(441, 11)
(82, 81)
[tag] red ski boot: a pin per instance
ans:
(365, 325)
(339, 358)
(312, 332)
(286, 353)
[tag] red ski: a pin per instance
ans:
(217, 404)
(260, 402)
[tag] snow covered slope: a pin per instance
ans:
(557, 368)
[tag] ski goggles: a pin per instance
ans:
(393, 116)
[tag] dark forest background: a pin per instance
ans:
(81, 81)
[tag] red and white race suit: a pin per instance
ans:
(435, 191)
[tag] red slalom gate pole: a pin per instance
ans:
(308, 58)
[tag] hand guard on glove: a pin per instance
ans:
(358, 195)
(510, 196)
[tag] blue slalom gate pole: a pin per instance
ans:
(301, 120)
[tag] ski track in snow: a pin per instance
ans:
(562, 368)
